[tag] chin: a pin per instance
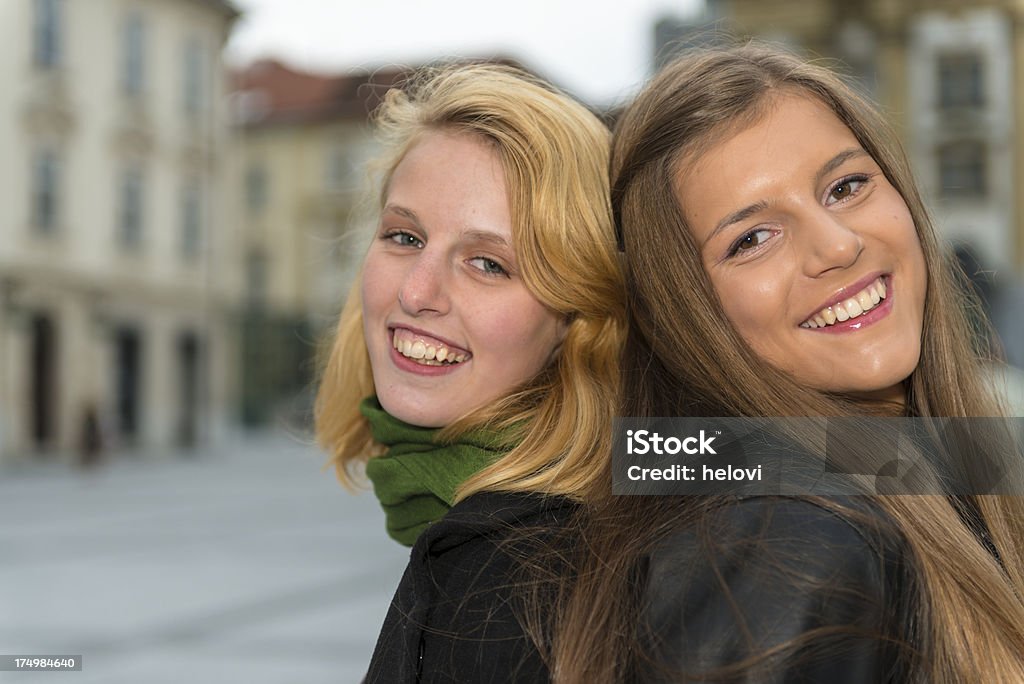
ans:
(413, 415)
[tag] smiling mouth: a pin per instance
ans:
(857, 305)
(426, 353)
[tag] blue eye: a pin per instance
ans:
(400, 237)
(488, 266)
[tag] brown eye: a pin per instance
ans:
(845, 189)
(748, 242)
(841, 191)
(751, 240)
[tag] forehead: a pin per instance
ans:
(784, 147)
(451, 178)
(782, 118)
(432, 149)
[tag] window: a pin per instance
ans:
(256, 189)
(128, 388)
(191, 221)
(47, 33)
(45, 191)
(962, 170)
(256, 278)
(857, 46)
(961, 80)
(195, 56)
(133, 66)
(131, 208)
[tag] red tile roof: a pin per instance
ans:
(268, 92)
(224, 6)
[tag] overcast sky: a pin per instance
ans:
(598, 49)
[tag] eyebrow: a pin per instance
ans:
(402, 211)
(485, 236)
(748, 211)
(475, 234)
(737, 216)
(837, 161)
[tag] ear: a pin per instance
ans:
(561, 331)
(563, 326)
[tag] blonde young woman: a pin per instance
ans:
(780, 262)
(475, 365)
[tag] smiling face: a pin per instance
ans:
(811, 250)
(448, 321)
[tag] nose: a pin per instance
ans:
(830, 243)
(423, 288)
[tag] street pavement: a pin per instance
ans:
(246, 562)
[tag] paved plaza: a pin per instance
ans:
(241, 563)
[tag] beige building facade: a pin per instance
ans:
(304, 150)
(118, 267)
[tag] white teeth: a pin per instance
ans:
(863, 301)
(426, 354)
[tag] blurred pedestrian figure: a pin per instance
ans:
(90, 442)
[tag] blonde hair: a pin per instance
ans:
(685, 358)
(554, 153)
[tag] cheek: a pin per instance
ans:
(739, 311)
(377, 289)
(368, 296)
(911, 252)
(920, 265)
(755, 303)
(523, 333)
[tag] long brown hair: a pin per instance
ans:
(555, 155)
(683, 357)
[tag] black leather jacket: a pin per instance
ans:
(457, 613)
(779, 590)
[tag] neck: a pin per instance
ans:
(892, 398)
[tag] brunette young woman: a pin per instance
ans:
(780, 262)
(475, 367)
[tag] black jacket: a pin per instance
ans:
(824, 597)
(456, 616)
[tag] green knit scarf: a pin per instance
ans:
(415, 481)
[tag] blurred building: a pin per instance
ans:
(303, 142)
(948, 73)
(115, 255)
